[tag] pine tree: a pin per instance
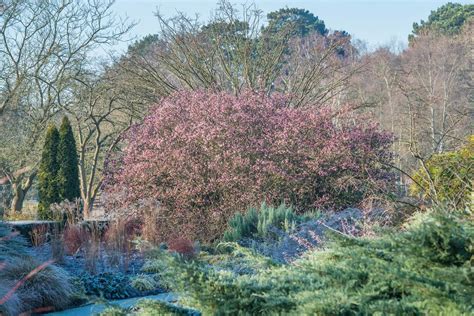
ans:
(47, 175)
(68, 175)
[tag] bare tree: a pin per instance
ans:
(437, 108)
(227, 53)
(232, 52)
(421, 96)
(102, 112)
(378, 86)
(315, 71)
(44, 46)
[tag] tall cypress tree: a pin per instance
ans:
(68, 175)
(48, 188)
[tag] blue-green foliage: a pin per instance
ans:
(423, 270)
(48, 287)
(257, 223)
(108, 285)
(12, 244)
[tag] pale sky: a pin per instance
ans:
(376, 22)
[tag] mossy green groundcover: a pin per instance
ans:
(424, 268)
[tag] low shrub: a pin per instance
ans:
(182, 246)
(154, 307)
(75, 236)
(47, 288)
(150, 307)
(108, 285)
(145, 282)
(258, 223)
(238, 259)
(39, 285)
(286, 247)
(114, 311)
(425, 269)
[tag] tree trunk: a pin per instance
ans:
(19, 192)
(18, 199)
(88, 198)
(87, 207)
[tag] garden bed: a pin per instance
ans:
(100, 275)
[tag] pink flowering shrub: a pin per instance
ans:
(205, 156)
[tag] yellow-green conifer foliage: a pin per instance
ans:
(448, 177)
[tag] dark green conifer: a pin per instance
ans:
(68, 174)
(47, 174)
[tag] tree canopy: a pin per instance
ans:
(301, 21)
(447, 19)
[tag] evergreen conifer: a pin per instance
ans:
(68, 174)
(48, 188)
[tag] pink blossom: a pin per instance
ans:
(205, 156)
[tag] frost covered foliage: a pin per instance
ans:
(204, 156)
(150, 307)
(423, 270)
(259, 223)
(287, 246)
(108, 285)
(153, 307)
(11, 243)
(38, 285)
